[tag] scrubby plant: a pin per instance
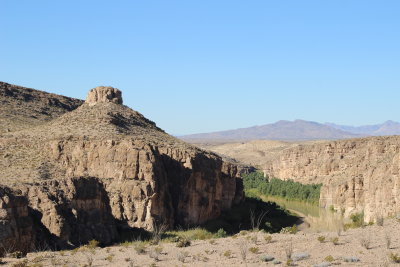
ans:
(329, 258)
(243, 249)
(140, 247)
(182, 255)
(228, 253)
(289, 230)
(16, 255)
(212, 242)
(335, 241)
(93, 244)
(268, 238)
(109, 258)
(289, 251)
(220, 233)
(289, 262)
(394, 257)
(254, 250)
(266, 258)
(321, 239)
(155, 253)
(357, 219)
(183, 242)
(351, 259)
(157, 232)
(300, 256)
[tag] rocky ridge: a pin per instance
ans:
(358, 175)
(101, 169)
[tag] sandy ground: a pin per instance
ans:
(227, 251)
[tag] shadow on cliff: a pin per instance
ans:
(79, 214)
(268, 215)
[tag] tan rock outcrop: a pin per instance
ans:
(16, 228)
(104, 168)
(104, 94)
(357, 174)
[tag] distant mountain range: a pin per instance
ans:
(299, 130)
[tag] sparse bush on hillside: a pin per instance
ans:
(357, 220)
(286, 189)
(394, 257)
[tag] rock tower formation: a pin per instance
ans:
(102, 169)
(103, 94)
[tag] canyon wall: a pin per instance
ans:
(101, 169)
(357, 174)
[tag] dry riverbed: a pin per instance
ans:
(366, 246)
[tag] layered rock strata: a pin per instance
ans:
(103, 168)
(358, 175)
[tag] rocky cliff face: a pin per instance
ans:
(357, 174)
(104, 167)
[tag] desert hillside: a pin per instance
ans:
(23, 108)
(93, 170)
(255, 153)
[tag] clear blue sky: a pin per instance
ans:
(199, 66)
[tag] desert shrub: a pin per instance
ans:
(192, 234)
(321, 239)
(289, 251)
(182, 255)
(109, 258)
(335, 241)
(300, 256)
(266, 258)
(394, 257)
(287, 189)
(243, 245)
(228, 253)
(329, 258)
(140, 247)
(351, 259)
(16, 255)
(254, 250)
(157, 232)
(183, 242)
(290, 262)
(268, 238)
(155, 253)
(221, 233)
(289, 230)
(93, 244)
(357, 220)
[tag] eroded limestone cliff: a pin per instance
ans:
(357, 174)
(102, 168)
